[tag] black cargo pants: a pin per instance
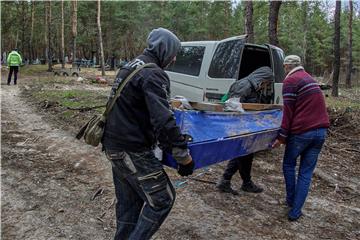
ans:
(14, 69)
(242, 164)
(144, 194)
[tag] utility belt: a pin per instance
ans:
(118, 155)
(140, 163)
(121, 156)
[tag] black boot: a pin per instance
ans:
(251, 187)
(225, 186)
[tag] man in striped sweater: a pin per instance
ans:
(303, 130)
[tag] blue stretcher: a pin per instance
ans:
(221, 136)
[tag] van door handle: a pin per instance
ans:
(277, 100)
(212, 89)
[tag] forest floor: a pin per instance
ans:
(56, 187)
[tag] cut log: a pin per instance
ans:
(259, 106)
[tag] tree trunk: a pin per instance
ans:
(32, 57)
(100, 39)
(273, 21)
(349, 68)
(46, 32)
(62, 36)
(17, 39)
(249, 26)
(305, 9)
(336, 66)
(74, 30)
(49, 54)
(17, 22)
(23, 26)
(227, 9)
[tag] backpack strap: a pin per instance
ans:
(111, 103)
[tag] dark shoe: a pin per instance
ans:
(251, 187)
(8, 84)
(225, 186)
(292, 219)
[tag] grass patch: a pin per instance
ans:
(52, 80)
(72, 98)
(33, 69)
(348, 99)
(68, 114)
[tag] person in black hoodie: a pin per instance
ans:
(140, 120)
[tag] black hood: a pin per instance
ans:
(163, 44)
(261, 73)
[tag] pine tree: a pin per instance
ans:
(100, 38)
(336, 64)
(74, 30)
(273, 22)
(249, 26)
(350, 63)
(62, 36)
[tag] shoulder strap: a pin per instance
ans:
(110, 105)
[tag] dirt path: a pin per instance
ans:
(49, 180)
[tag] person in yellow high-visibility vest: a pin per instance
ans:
(14, 60)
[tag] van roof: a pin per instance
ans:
(197, 43)
(212, 42)
(200, 42)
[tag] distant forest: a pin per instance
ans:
(303, 28)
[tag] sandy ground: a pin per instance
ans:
(55, 187)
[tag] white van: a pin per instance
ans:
(204, 70)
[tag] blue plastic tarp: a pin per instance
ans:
(219, 137)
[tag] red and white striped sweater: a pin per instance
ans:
(304, 105)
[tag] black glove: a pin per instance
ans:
(186, 170)
(188, 138)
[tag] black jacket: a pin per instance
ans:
(141, 116)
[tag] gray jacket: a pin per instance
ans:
(246, 88)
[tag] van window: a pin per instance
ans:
(188, 60)
(226, 60)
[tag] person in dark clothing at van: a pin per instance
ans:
(250, 90)
(140, 119)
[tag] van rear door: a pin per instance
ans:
(277, 60)
(224, 67)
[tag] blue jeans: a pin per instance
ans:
(144, 194)
(308, 146)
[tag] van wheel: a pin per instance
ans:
(56, 74)
(65, 74)
(75, 74)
